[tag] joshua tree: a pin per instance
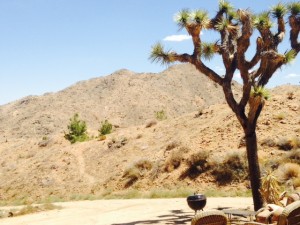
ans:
(236, 27)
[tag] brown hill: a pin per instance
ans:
(37, 162)
(124, 97)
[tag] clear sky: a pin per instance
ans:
(48, 45)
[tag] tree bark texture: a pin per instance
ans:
(254, 170)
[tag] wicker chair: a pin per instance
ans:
(213, 217)
(289, 216)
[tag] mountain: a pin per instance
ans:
(124, 98)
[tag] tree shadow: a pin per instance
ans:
(175, 217)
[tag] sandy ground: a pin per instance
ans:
(123, 212)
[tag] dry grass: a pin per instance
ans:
(294, 156)
(29, 209)
(270, 142)
(288, 143)
(136, 171)
(174, 160)
(197, 164)
(233, 168)
(289, 171)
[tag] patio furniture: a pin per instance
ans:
(213, 217)
(240, 213)
(289, 216)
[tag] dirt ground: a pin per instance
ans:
(124, 212)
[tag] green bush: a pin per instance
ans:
(106, 128)
(77, 130)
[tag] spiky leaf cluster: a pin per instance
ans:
(186, 17)
(225, 6)
(200, 17)
(232, 15)
(182, 18)
(294, 8)
(279, 10)
(270, 188)
(260, 91)
(289, 56)
(207, 50)
(262, 21)
(222, 25)
(158, 54)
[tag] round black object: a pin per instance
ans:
(197, 201)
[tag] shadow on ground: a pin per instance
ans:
(175, 217)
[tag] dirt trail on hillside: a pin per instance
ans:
(124, 212)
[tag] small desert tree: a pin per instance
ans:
(77, 130)
(236, 28)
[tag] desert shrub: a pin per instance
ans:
(268, 142)
(197, 163)
(284, 144)
(161, 115)
(223, 174)
(294, 156)
(233, 168)
(288, 143)
(289, 171)
(271, 164)
(132, 174)
(296, 182)
(77, 130)
(106, 128)
(270, 188)
(157, 168)
(136, 171)
(143, 164)
(174, 161)
(295, 142)
(114, 143)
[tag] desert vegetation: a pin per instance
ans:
(77, 130)
(106, 128)
(136, 171)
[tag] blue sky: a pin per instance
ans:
(48, 45)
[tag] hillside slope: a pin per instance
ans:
(37, 162)
(124, 98)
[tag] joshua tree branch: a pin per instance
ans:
(294, 32)
(208, 72)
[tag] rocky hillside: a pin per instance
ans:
(124, 98)
(37, 162)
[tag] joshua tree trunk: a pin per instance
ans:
(254, 171)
